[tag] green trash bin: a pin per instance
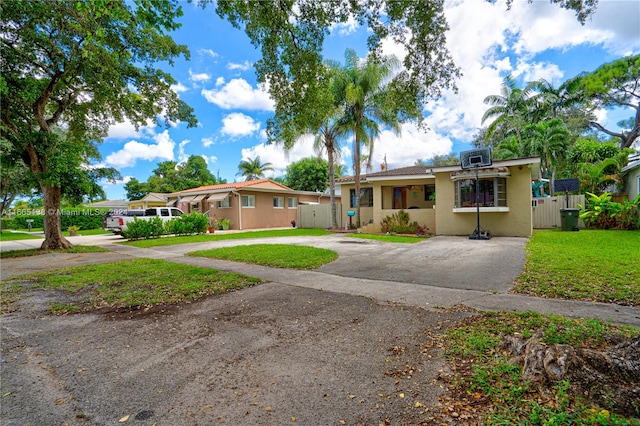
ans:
(569, 219)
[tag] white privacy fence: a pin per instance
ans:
(546, 210)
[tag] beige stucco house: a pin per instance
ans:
(152, 199)
(253, 204)
(443, 198)
(631, 173)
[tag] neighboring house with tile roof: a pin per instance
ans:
(253, 204)
(505, 197)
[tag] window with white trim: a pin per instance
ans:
(278, 202)
(226, 203)
(249, 201)
(492, 192)
(292, 202)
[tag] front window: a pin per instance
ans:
(278, 202)
(492, 193)
(249, 201)
(366, 197)
(226, 203)
(292, 202)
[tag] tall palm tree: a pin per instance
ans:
(550, 141)
(328, 140)
(366, 106)
(510, 109)
(253, 169)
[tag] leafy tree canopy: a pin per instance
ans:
(82, 66)
(171, 176)
(616, 84)
(308, 174)
(291, 34)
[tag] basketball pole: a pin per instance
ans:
(477, 203)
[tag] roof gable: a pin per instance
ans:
(265, 183)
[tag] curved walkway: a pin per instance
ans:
(438, 273)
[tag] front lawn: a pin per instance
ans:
(204, 238)
(591, 265)
(273, 255)
(35, 252)
(129, 284)
(12, 236)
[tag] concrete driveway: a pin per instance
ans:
(443, 261)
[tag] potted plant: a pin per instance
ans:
(212, 226)
(223, 223)
(73, 230)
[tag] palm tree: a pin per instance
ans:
(510, 109)
(327, 139)
(253, 169)
(550, 141)
(366, 105)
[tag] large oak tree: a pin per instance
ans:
(81, 66)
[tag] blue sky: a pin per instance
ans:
(530, 41)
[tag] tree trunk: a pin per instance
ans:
(356, 167)
(332, 188)
(53, 238)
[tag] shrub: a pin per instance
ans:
(192, 223)
(400, 223)
(7, 223)
(144, 228)
(600, 212)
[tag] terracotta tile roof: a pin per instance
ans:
(233, 185)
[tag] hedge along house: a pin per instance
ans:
(444, 198)
(253, 204)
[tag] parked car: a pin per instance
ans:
(118, 223)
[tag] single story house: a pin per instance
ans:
(253, 204)
(444, 198)
(631, 173)
(152, 199)
(109, 204)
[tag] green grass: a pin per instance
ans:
(85, 232)
(129, 284)
(591, 265)
(389, 238)
(274, 255)
(485, 372)
(203, 238)
(35, 252)
(11, 236)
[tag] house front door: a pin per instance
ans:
(400, 197)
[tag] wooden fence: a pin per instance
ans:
(546, 211)
(318, 216)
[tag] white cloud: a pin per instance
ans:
(345, 28)
(133, 151)
(209, 159)
(199, 77)
(404, 149)
(219, 81)
(207, 142)
(126, 130)
(179, 87)
(238, 94)
(208, 52)
(182, 156)
(275, 155)
(239, 66)
(237, 124)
